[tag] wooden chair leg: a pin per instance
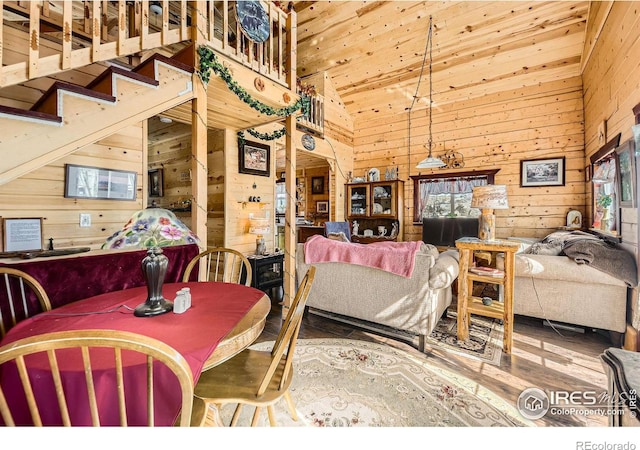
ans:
(272, 416)
(292, 406)
(236, 415)
(256, 416)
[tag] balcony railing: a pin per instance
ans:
(41, 38)
(314, 119)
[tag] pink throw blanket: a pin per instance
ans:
(395, 257)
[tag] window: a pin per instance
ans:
(281, 199)
(447, 195)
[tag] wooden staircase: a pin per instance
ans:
(68, 117)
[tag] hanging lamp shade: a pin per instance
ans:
(430, 162)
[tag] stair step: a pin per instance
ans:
(185, 56)
(104, 82)
(48, 103)
(35, 115)
(146, 67)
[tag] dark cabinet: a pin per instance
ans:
(267, 273)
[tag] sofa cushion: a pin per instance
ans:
(560, 268)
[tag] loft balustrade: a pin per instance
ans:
(313, 121)
(41, 38)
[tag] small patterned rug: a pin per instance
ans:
(484, 342)
(351, 383)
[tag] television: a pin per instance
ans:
(443, 232)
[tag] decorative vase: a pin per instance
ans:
(154, 269)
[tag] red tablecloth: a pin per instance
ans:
(216, 309)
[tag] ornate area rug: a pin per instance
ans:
(484, 342)
(348, 383)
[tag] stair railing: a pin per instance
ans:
(41, 38)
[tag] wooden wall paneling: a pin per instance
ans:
(614, 58)
(492, 131)
(238, 187)
(41, 192)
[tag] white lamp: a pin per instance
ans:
(259, 226)
(488, 198)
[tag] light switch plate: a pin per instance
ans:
(85, 220)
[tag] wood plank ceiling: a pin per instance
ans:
(373, 51)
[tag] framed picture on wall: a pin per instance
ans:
(542, 172)
(627, 171)
(254, 159)
(317, 185)
(322, 207)
(99, 183)
(155, 183)
(22, 234)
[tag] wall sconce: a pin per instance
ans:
(259, 226)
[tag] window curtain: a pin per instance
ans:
(446, 186)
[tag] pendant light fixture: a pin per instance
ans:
(430, 162)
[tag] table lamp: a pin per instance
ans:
(488, 198)
(152, 228)
(259, 226)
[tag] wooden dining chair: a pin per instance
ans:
(222, 264)
(57, 348)
(254, 377)
(25, 297)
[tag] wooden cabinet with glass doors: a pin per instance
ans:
(376, 207)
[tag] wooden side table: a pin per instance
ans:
(468, 304)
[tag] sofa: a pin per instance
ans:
(376, 298)
(575, 278)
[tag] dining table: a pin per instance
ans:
(224, 319)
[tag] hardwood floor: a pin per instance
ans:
(541, 358)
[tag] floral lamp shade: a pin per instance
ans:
(151, 227)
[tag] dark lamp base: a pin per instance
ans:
(148, 309)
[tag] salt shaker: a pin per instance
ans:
(187, 294)
(180, 303)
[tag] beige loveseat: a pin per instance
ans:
(376, 297)
(550, 284)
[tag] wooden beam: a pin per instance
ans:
(199, 168)
(290, 240)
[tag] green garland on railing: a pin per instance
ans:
(262, 136)
(209, 62)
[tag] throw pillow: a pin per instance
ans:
(339, 236)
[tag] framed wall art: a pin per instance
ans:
(254, 159)
(98, 183)
(542, 172)
(322, 207)
(22, 234)
(627, 174)
(317, 185)
(156, 183)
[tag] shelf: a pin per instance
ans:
(485, 279)
(495, 310)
